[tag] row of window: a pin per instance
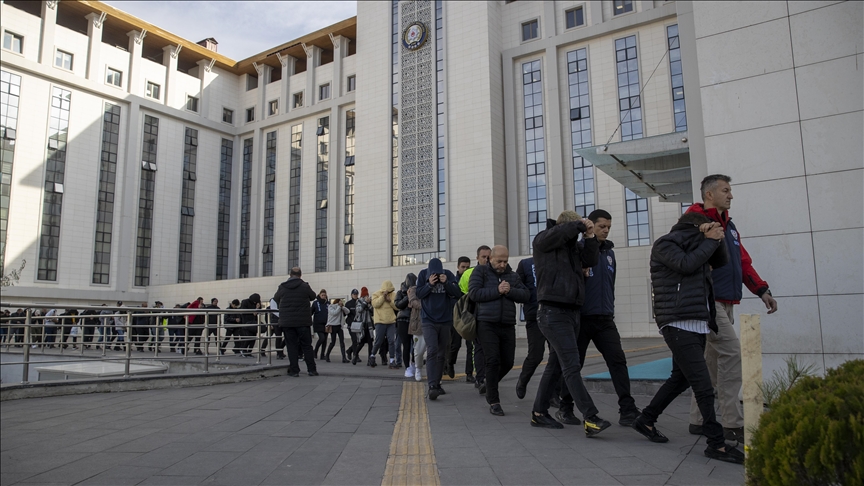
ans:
(573, 17)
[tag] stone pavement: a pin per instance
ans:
(332, 429)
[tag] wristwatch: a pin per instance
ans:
(768, 292)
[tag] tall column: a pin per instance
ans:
(94, 47)
(136, 47)
(205, 75)
(256, 204)
(46, 34)
(335, 188)
(263, 80)
(289, 64)
(126, 203)
(169, 60)
(313, 60)
(340, 50)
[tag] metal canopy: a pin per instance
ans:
(653, 166)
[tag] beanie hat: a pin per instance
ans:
(364, 292)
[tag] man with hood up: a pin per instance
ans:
(384, 303)
(250, 320)
(295, 321)
(438, 292)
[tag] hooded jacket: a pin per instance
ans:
(250, 303)
(319, 313)
(526, 273)
(728, 279)
(336, 315)
(414, 323)
(681, 263)
(493, 306)
(600, 284)
(385, 311)
(293, 296)
(402, 297)
(559, 260)
(437, 300)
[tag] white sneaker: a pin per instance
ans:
(418, 374)
(409, 371)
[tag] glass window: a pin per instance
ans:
(187, 205)
(323, 169)
(105, 210)
(55, 174)
(228, 116)
(348, 239)
(273, 107)
(114, 77)
(269, 208)
(250, 115)
(580, 131)
(352, 83)
(13, 42)
(530, 30)
(629, 99)
(638, 230)
(679, 107)
(192, 103)
(10, 90)
(298, 100)
(622, 6)
(224, 222)
(324, 92)
(574, 17)
(245, 208)
(63, 60)
(294, 196)
(535, 154)
(146, 198)
(153, 90)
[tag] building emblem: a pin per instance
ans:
(414, 36)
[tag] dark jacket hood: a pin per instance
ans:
(292, 283)
(435, 266)
(410, 281)
(255, 298)
(690, 220)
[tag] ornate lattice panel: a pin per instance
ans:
(418, 197)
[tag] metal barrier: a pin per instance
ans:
(137, 327)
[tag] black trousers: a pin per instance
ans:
(499, 348)
(320, 344)
(561, 327)
(299, 339)
(453, 352)
(358, 339)
(404, 340)
(334, 333)
(479, 359)
(536, 349)
(688, 370)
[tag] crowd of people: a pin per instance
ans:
(567, 293)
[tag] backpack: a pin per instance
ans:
(463, 318)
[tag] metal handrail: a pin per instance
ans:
(152, 333)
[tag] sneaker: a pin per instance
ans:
(418, 374)
(695, 429)
(441, 389)
(594, 425)
(313, 373)
(391, 366)
(482, 389)
(555, 402)
(567, 417)
(470, 379)
(626, 419)
(496, 410)
(409, 371)
(293, 373)
(649, 431)
(520, 389)
(546, 421)
(736, 434)
(434, 393)
(449, 371)
(731, 454)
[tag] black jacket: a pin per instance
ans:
(319, 313)
(401, 299)
(600, 284)
(681, 263)
(250, 303)
(213, 317)
(558, 262)
(493, 306)
(525, 270)
(351, 305)
(293, 297)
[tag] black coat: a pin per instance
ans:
(558, 262)
(493, 306)
(250, 304)
(600, 283)
(213, 317)
(293, 297)
(681, 263)
(525, 270)
(351, 305)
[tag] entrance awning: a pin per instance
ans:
(653, 166)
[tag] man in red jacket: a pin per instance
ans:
(723, 350)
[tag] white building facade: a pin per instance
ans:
(139, 166)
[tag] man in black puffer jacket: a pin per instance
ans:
(251, 321)
(295, 320)
(681, 264)
(495, 287)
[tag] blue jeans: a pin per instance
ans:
(560, 326)
(437, 337)
(390, 331)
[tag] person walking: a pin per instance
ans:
(319, 322)
(415, 329)
(250, 324)
(212, 328)
(496, 289)
(336, 313)
(362, 328)
(438, 292)
(685, 311)
(351, 305)
(722, 347)
(536, 341)
(384, 316)
(403, 319)
(477, 357)
(295, 321)
(463, 263)
(233, 330)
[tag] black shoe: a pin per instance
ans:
(695, 429)
(731, 454)
(470, 379)
(263, 354)
(555, 402)
(313, 373)
(567, 417)
(496, 410)
(372, 361)
(626, 419)
(482, 388)
(441, 390)
(434, 393)
(651, 433)
(449, 371)
(293, 373)
(198, 352)
(520, 389)
(736, 434)
(327, 359)
(594, 425)
(280, 355)
(344, 359)
(545, 421)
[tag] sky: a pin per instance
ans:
(242, 29)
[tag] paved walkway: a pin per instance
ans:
(336, 430)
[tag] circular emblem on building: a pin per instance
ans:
(414, 36)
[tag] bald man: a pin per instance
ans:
(496, 288)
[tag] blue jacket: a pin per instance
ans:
(437, 300)
(600, 284)
(525, 270)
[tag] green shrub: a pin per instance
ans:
(813, 434)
